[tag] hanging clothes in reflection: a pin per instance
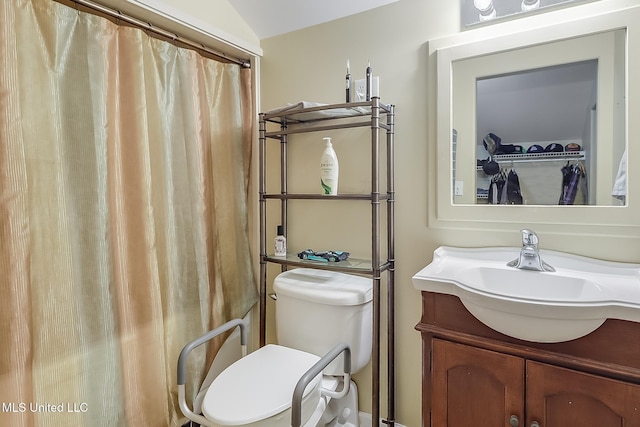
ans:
(505, 188)
(514, 195)
(498, 182)
(574, 185)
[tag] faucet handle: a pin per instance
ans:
(529, 238)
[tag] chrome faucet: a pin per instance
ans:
(529, 258)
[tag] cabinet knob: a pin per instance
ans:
(514, 421)
(535, 424)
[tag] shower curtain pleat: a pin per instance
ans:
(124, 182)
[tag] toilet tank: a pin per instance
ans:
(317, 310)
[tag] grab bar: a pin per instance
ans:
(182, 362)
(303, 382)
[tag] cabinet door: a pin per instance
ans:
(475, 387)
(559, 397)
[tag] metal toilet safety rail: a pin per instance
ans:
(298, 393)
(296, 401)
(182, 363)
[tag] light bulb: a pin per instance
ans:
(530, 5)
(485, 7)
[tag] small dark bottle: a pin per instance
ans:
(348, 93)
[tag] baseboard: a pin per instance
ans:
(365, 421)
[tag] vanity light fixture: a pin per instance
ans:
(485, 9)
(488, 11)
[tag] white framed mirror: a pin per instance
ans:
(537, 103)
(465, 67)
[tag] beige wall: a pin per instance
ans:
(215, 23)
(310, 65)
(218, 13)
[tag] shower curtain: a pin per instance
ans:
(124, 174)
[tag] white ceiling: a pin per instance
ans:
(270, 18)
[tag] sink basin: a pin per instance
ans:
(532, 305)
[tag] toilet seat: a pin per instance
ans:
(260, 386)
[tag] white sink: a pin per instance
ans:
(532, 305)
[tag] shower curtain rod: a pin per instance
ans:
(245, 63)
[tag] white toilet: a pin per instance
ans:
(315, 311)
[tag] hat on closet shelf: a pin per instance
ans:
(491, 143)
(553, 148)
(535, 148)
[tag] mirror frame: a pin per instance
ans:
(622, 221)
(604, 49)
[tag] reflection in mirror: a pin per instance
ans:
(544, 135)
(536, 128)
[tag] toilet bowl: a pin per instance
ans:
(315, 311)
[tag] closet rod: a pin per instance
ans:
(162, 32)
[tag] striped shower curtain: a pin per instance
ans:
(124, 174)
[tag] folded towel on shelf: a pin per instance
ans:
(313, 115)
(620, 184)
(292, 108)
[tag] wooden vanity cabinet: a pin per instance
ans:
(475, 376)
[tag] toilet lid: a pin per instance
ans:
(258, 386)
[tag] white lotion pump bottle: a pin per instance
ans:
(329, 169)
